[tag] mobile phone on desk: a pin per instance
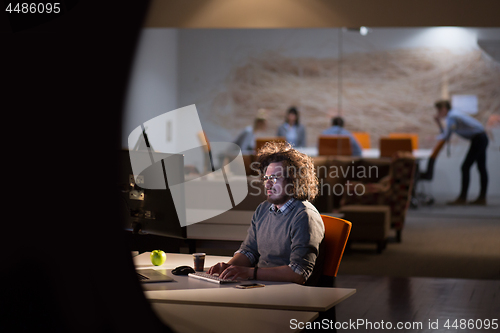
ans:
(249, 285)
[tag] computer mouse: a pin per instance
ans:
(182, 270)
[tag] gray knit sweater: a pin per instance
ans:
(288, 238)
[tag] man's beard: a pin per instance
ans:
(284, 196)
(278, 201)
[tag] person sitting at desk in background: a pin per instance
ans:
(283, 240)
(338, 129)
(292, 130)
(470, 129)
(246, 139)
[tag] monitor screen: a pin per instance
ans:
(148, 206)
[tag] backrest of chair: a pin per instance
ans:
(402, 174)
(412, 136)
(260, 142)
(429, 172)
(390, 146)
(437, 149)
(336, 234)
(251, 170)
(202, 137)
(363, 139)
(339, 145)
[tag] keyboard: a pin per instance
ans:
(210, 278)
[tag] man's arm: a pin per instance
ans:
(446, 132)
(438, 122)
(246, 256)
(239, 259)
(307, 232)
(280, 273)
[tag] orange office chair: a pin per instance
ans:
(331, 251)
(412, 136)
(260, 142)
(208, 163)
(390, 146)
(339, 145)
(363, 139)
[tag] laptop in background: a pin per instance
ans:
(153, 275)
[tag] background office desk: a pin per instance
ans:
(368, 153)
(276, 295)
(186, 318)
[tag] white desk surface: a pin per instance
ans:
(368, 153)
(187, 318)
(174, 260)
(182, 282)
(289, 296)
(275, 295)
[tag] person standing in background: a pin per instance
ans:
(470, 129)
(292, 130)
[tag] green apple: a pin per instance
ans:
(158, 257)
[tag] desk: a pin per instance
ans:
(174, 260)
(368, 153)
(276, 295)
(287, 296)
(201, 318)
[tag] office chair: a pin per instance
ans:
(390, 146)
(331, 251)
(208, 164)
(327, 264)
(422, 198)
(412, 136)
(339, 145)
(363, 139)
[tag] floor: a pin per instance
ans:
(445, 271)
(416, 301)
(437, 241)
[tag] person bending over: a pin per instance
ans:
(283, 240)
(469, 129)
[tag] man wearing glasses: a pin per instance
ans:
(283, 240)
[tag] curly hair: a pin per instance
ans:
(298, 167)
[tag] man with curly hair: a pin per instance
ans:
(283, 240)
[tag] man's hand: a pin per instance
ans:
(237, 273)
(218, 268)
(438, 122)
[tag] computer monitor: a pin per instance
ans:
(148, 206)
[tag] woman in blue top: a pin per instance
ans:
(292, 130)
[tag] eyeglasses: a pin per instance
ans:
(272, 178)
